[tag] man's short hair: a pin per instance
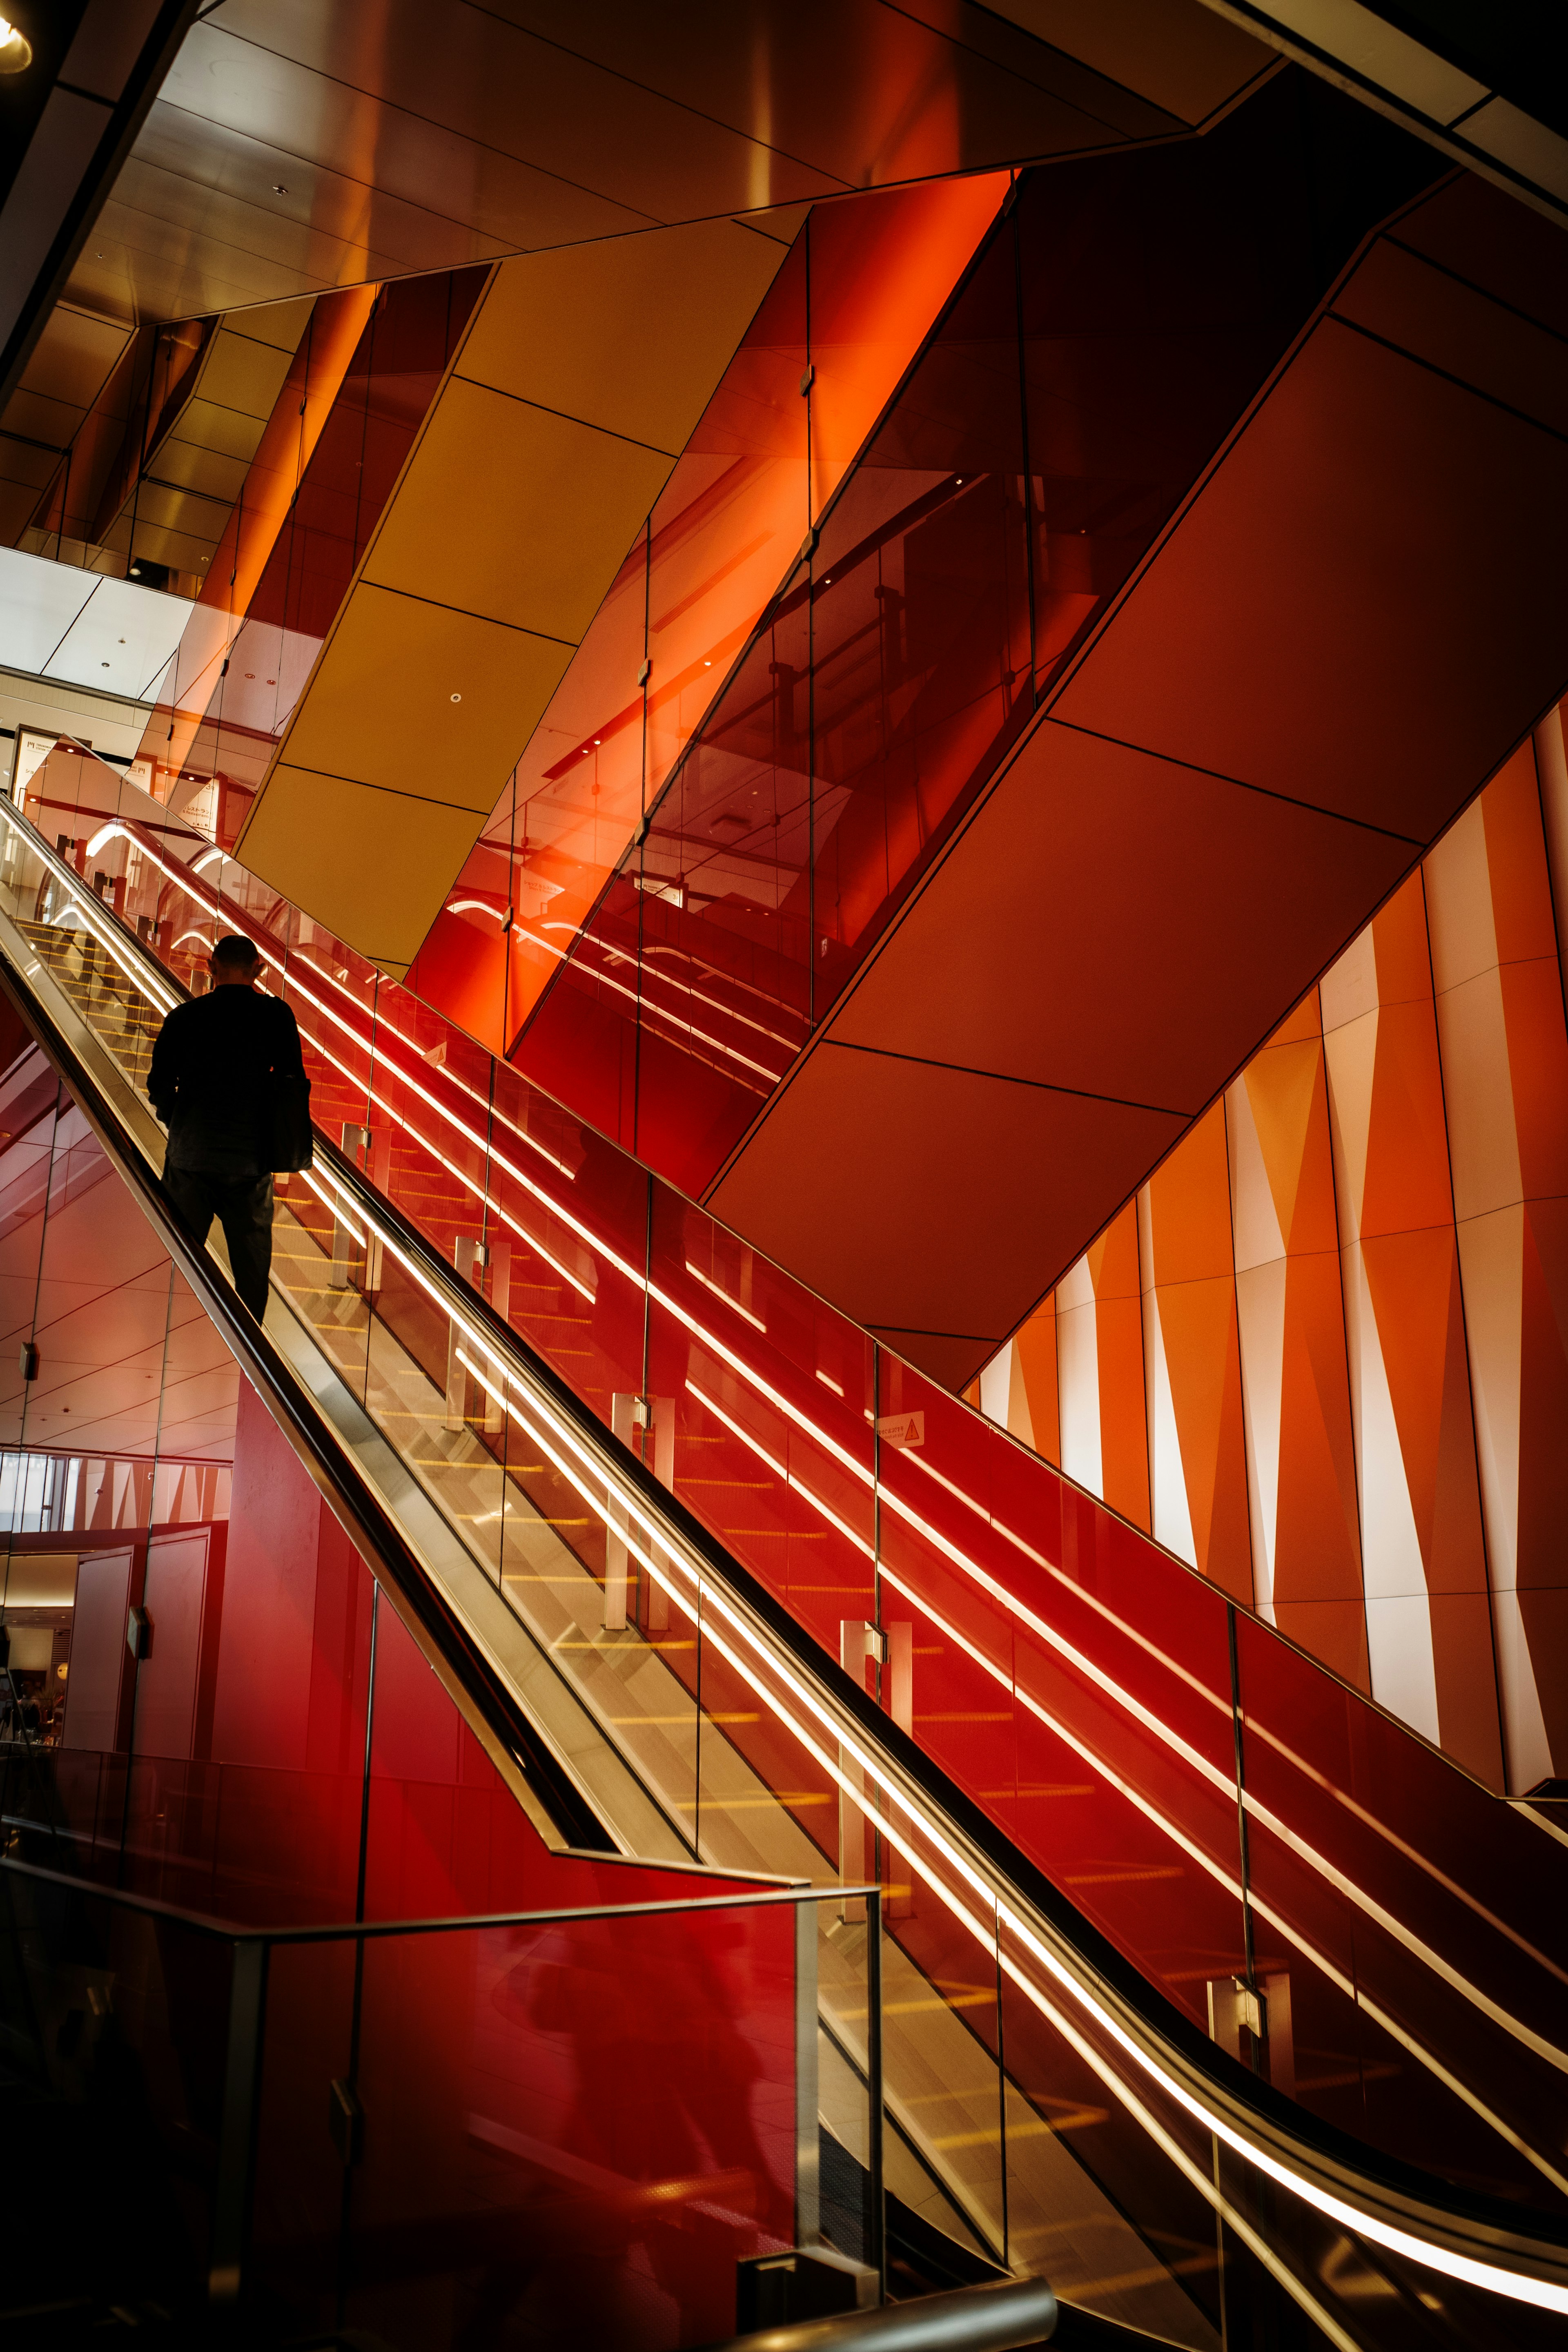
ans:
(236, 951)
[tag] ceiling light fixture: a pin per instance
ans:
(15, 48)
(278, 189)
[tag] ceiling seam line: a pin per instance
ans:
(1001, 1078)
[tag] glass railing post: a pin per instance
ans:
(808, 2140)
(241, 2116)
(876, 2216)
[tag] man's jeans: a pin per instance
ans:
(243, 1206)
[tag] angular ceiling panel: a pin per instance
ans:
(302, 145)
(1348, 629)
(386, 844)
(532, 536)
(413, 697)
(509, 524)
(1059, 996)
(944, 1167)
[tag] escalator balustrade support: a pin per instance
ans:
(991, 2318)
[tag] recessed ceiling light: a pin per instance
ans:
(278, 189)
(15, 48)
(458, 698)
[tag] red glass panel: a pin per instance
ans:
(1351, 1821)
(573, 2123)
(881, 270)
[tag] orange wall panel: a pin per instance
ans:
(1197, 1460)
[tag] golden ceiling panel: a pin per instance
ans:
(73, 360)
(411, 696)
(177, 502)
(631, 345)
(372, 894)
(559, 423)
(419, 91)
(534, 534)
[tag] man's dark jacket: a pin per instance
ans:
(211, 1080)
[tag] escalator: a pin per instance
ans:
(1052, 2104)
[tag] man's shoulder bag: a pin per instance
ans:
(287, 1140)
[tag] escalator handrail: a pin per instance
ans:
(350, 1496)
(1004, 2317)
(1482, 2240)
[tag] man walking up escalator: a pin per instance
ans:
(228, 1082)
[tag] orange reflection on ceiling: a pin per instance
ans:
(313, 382)
(860, 291)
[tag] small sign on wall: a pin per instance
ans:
(901, 1428)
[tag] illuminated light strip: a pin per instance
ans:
(778, 1470)
(181, 877)
(1493, 2280)
(650, 1004)
(442, 1299)
(200, 937)
(790, 1044)
(1346, 1886)
(747, 987)
(1372, 1908)
(108, 941)
(744, 1312)
(603, 980)
(1307, 1853)
(383, 1021)
(1261, 1731)
(452, 1169)
(1282, 1927)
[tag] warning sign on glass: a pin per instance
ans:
(903, 1428)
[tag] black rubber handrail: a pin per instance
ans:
(349, 1495)
(1001, 2318)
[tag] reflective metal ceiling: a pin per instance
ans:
(300, 144)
